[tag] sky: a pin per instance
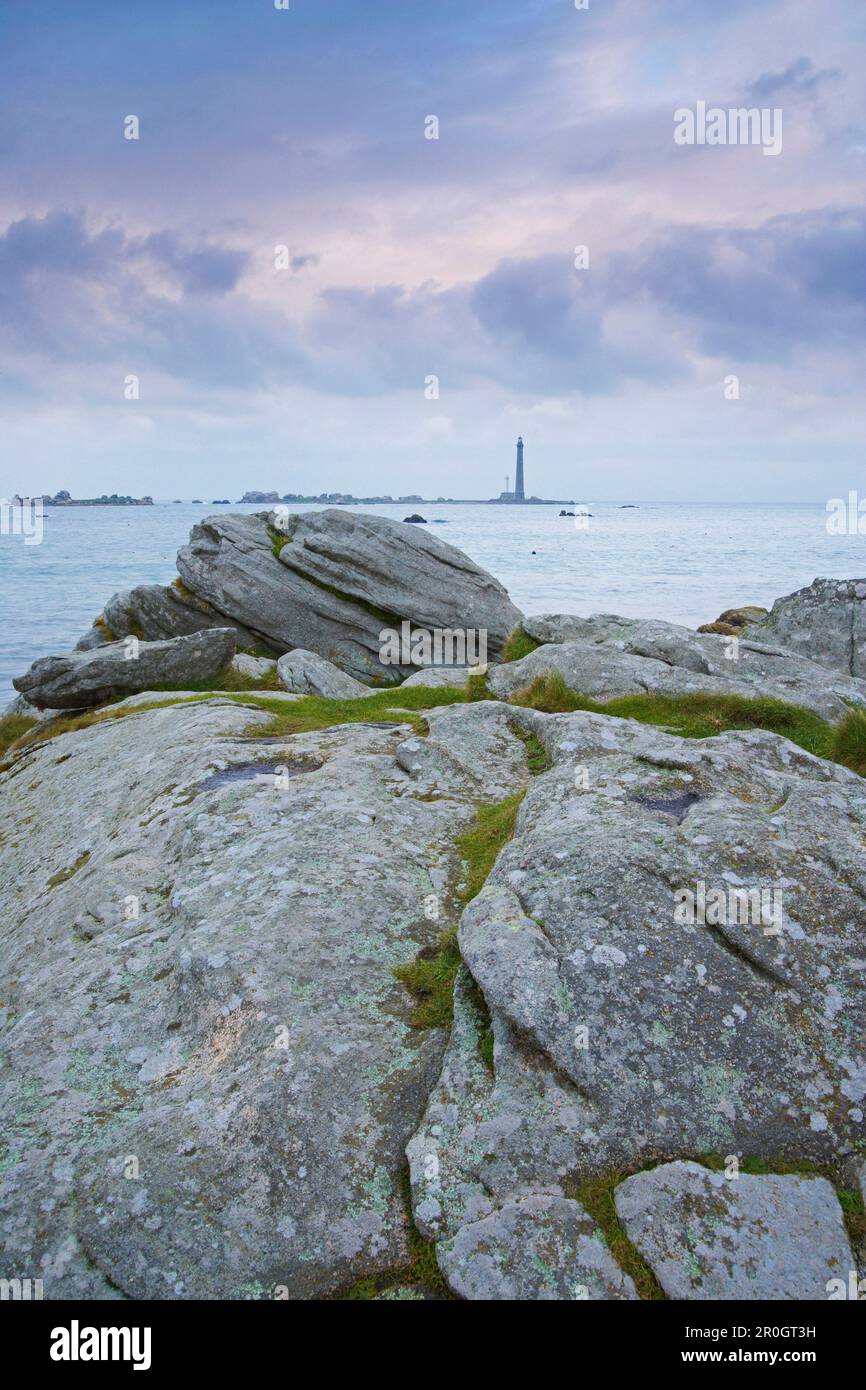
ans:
(427, 307)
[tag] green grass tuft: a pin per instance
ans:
(430, 979)
(430, 976)
(478, 689)
(596, 1195)
(278, 540)
(314, 712)
(517, 645)
(479, 846)
(537, 758)
(703, 714)
(65, 874)
(849, 741)
(230, 680)
(13, 727)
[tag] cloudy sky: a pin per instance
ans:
(411, 258)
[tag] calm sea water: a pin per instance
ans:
(681, 562)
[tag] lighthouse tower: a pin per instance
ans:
(518, 480)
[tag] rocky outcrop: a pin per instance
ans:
(337, 581)
(710, 1236)
(669, 954)
(211, 1077)
(328, 582)
(305, 673)
(209, 1072)
(605, 656)
(87, 678)
(825, 622)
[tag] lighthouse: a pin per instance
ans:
(518, 479)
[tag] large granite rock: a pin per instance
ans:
(305, 673)
(624, 1027)
(709, 1236)
(86, 678)
(207, 1069)
(156, 612)
(825, 622)
(605, 656)
(339, 581)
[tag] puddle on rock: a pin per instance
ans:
(256, 772)
(676, 806)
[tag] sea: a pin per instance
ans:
(683, 562)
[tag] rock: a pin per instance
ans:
(96, 636)
(305, 673)
(154, 612)
(436, 677)
(215, 1073)
(825, 622)
(340, 580)
(538, 1248)
(708, 1236)
(556, 627)
(89, 678)
(21, 706)
(416, 518)
(606, 656)
(256, 667)
(733, 620)
(625, 1028)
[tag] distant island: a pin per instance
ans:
(336, 499)
(64, 499)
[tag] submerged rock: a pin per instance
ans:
(825, 622)
(606, 656)
(708, 1236)
(89, 678)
